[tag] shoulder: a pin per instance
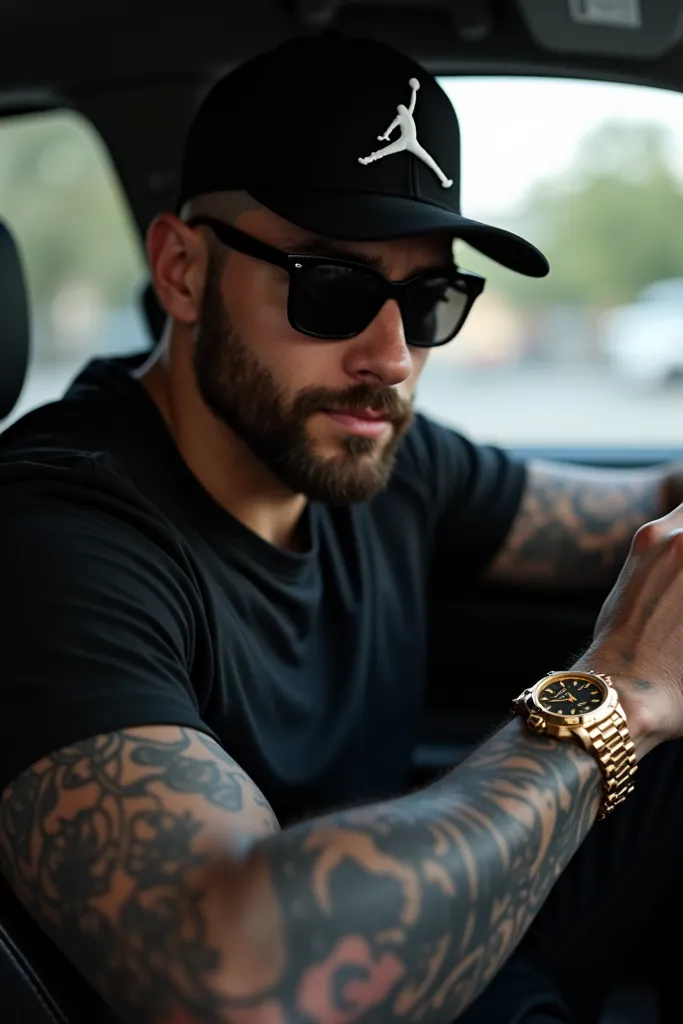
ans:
(434, 469)
(53, 480)
(447, 464)
(86, 548)
(426, 441)
(466, 494)
(83, 454)
(73, 512)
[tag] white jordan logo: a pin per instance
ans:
(408, 139)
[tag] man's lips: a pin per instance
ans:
(365, 422)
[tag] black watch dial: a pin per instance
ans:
(571, 696)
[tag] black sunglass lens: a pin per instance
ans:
(433, 310)
(334, 301)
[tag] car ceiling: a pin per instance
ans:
(137, 68)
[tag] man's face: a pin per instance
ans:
(325, 417)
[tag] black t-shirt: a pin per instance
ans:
(129, 597)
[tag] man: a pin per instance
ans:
(219, 562)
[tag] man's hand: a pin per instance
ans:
(638, 636)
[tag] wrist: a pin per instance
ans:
(638, 700)
(639, 719)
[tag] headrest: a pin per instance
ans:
(14, 324)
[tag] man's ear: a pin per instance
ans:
(178, 260)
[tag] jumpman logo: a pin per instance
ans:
(408, 139)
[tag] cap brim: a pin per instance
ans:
(362, 217)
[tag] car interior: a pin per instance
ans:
(136, 73)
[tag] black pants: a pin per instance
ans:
(615, 911)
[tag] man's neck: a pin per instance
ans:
(220, 461)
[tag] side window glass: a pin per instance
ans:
(592, 355)
(61, 197)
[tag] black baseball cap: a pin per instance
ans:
(294, 128)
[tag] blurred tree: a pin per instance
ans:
(610, 226)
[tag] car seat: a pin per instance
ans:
(38, 985)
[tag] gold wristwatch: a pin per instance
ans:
(584, 707)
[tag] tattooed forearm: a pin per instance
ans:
(404, 911)
(576, 524)
(108, 843)
(152, 861)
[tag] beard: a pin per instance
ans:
(243, 393)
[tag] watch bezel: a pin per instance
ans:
(609, 703)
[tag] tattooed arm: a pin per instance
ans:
(110, 843)
(576, 524)
(156, 865)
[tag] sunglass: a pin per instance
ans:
(336, 299)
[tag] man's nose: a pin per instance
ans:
(380, 355)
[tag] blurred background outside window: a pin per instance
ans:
(61, 197)
(592, 173)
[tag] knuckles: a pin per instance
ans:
(674, 544)
(659, 535)
(647, 537)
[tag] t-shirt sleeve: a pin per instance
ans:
(97, 625)
(472, 492)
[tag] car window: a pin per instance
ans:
(593, 354)
(591, 172)
(84, 263)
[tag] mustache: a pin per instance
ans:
(361, 396)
